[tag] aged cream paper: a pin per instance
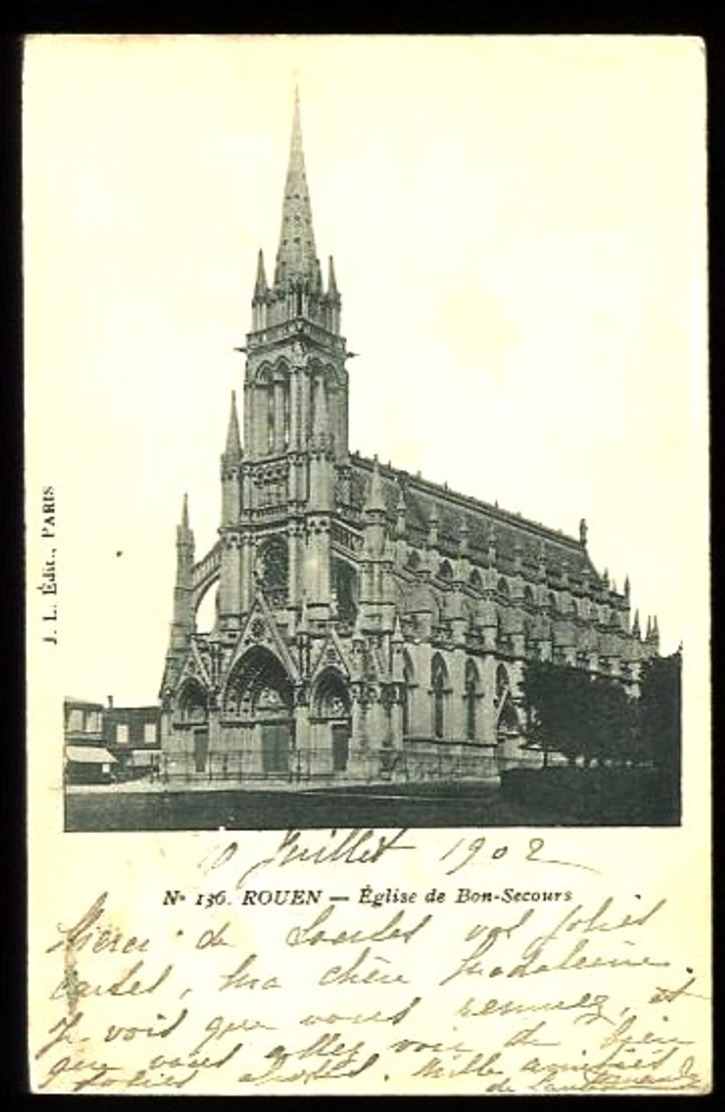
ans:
(519, 233)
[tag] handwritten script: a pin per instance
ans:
(499, 970)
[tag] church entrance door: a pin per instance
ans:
(340, 745)
(276, 737)
(201, 750)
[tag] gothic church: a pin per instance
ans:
(369, 624)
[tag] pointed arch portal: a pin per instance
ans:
(193, 713)
(261, 691)
(331, 704)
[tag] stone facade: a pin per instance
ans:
(369, 624)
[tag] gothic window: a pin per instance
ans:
(471, 699)
(528, 595)
(270, 416)
(346, 588)
(502, 681)
(413, 560)
(272, 568)
(439, 687)
(475, 581)
(502, 587)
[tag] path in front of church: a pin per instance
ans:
(421, 806)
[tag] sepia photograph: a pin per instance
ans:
(367, 427)
(321, 631)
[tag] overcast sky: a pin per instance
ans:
(518, 226)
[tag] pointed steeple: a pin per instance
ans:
(260, 284)
(233, 447)
(636, 632)
(182, 624)
(297, 256)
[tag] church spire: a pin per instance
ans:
(297, 256)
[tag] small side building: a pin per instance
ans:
(132, 736)
(86, 758)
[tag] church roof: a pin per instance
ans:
(514, 537)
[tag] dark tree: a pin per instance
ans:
(556, 699)
(659, 728)
(583, 718)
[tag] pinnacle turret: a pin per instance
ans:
(233, 447)
(332, 291)
(375, 501)
(184, 534)
(260, 284)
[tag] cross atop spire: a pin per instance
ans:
(297, 256)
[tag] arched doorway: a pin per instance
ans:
(331, 709)
(193, 716)
(261, 694)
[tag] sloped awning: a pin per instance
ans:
(79, 753)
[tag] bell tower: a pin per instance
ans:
(295, 398)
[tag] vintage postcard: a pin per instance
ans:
(368, 571)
